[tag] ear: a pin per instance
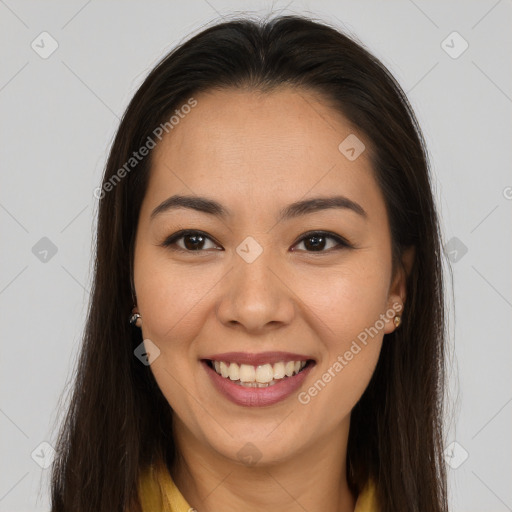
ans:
(398, 289)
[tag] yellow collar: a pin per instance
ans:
(158, 493)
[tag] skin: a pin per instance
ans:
(256, 153)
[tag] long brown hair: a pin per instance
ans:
(118, 421)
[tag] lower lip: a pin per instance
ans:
(257, 397)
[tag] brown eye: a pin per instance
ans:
(197, 241)
(318, 241)
(192, 241)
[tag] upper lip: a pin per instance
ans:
(257, 359)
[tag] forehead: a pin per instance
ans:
(255, 145)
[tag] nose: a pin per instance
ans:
(256, 296)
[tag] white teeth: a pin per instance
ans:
(279, 371)
(256, 384)
(264, 373)
(289, 368)
(233, 371)
(261, 376)
(247, 373)
(224, 369)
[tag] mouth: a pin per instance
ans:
(256, 380)
(258, 376)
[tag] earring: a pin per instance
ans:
(135, 318)
(397, 321)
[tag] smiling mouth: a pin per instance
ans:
(260, 376)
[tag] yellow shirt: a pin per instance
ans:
(158, 493)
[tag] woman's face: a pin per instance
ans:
(259, 286)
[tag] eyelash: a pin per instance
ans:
(172, 239)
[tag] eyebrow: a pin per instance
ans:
(299, 208)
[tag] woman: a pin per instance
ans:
(266, 328)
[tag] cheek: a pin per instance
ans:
(170, 314)
(171, 300)
(168, 295)
(348, 311)
(347, 301)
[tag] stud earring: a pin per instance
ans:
(397, 321)
(135, 318)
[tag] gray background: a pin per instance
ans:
(59, 115)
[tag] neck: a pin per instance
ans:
(313, 480)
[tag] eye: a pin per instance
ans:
(316, 241)
(195, 241)
(192, 240)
